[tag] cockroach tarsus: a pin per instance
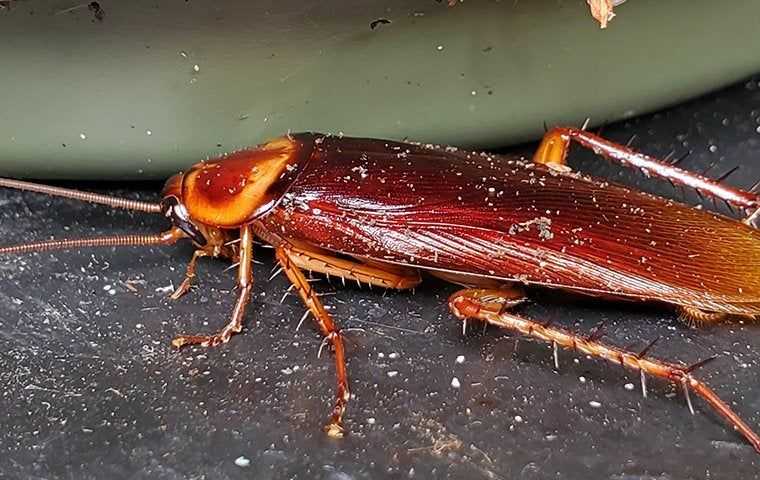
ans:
(383, 213)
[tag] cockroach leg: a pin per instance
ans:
(293, 258)
(380, 275)
(187, 283)
(695, 317)
(474, 281)
(488, 306)
(329, 329)
(217, 245)
(245, 284)
(556, 144)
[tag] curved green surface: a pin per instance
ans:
(155, 86)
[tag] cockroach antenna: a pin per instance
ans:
(165, 238)
(115, 202)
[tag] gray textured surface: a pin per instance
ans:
(89, 387)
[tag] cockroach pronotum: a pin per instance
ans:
(384, 212)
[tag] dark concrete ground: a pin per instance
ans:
(90, 388)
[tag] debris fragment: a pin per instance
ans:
(602, 10)
(380, 21)
(543, 225)
(97, 11)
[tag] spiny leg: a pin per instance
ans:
(695, 317)
(187, 283)
(329, 329)
(293, 257)
(556, 143)
(245, 284)
(322, 261)
(489, 306)
(218, 246)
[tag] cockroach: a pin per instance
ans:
(384, 213)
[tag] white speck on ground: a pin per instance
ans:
(166, 289)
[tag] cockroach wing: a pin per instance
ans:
(469, 213)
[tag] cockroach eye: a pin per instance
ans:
(180, 218)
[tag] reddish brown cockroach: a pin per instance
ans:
(383, 212)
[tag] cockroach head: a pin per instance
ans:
(176, 212)
(232, 190)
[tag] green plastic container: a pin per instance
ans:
(140, 89)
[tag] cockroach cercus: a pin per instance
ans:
(384, 213)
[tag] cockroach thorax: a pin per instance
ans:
(233, 189)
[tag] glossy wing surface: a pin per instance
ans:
(465, 212)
